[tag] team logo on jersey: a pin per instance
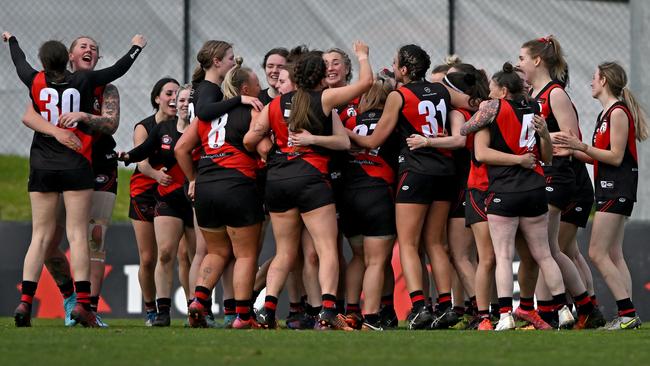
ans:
(101, 178)
(166, 142)
(606, 184)
(400, 159)
(427, 89)
(578, 209)
(352, 112)
(405, 188)
(622, 200)
(371, 115)
(549, 189)
(497, 200)
(603, 128)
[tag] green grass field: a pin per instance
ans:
(129, 342)
(14, 199)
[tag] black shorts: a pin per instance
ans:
(475, 204)
(621, 206)
(260, 185)
(233, 202)
(106, 181)
(175, 204)
(559, 195)
(306, 193)
(425, 189)
(577, 213)
(368, 211)
(457, 210)
(44, 180)
(142, 207)
(517, 204)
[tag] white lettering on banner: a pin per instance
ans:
(133, 292)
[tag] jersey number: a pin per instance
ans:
(527, 136)
(70, 102)
(217, 134)
(362, 130)
(428, 109)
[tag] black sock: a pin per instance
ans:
(505, 305)
(229, 307)
(340, 306)
(150, 307)
(583, 303)
(94, 303)
(527, 303)
(417, 299)
(626, 308)
(444, 302)
(243, 309)
(28, 289)
(371, 318)
(164, 304)
(313, 310)
(67, 289)
(494, 309)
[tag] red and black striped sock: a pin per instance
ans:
(444, 302)
(329, 301)
(67, 289)
(202, 295)
(270, 304)
(583, 303)
(294, 308)
(27, 291)
(484, 314)
(352, 308)
(626, 308)
(594, 300)
(545, 309)
(164, 304)
(505, 305)
(83, 293)
(417, 299)
(527, 303)
(559, 301)
(242, 307)
(229, 307)
(494, 309)
(94, 303)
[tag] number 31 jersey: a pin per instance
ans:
(424, 112)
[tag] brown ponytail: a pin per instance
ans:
(309, 72)
(549, 50)
(211, 49)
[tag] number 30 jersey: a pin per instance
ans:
(222, 147)
(512, 132)
(424, 112)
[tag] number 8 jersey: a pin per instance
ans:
(424, 112)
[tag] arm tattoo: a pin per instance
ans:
(483, 117)
(108, 122)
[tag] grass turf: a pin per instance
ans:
(129, 342)
(14, 199)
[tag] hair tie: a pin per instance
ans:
(546, 39)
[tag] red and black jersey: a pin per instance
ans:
(139, 182)
(616, 181)
(159, 146)
(560, 171)
(52, 100)
(264, 96)
(287, 161)
(512, 132)
(478, 173)
(222, 147)
(370, 167)
(462, 157)
(104, 156)
(349, 110)
(424, 112)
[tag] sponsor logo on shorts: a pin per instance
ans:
(497, 200)
(549, 189)
(601, 202)
(622, 199)
(606, 184)
(578, 209)
(405, 188)
(464, 204)
(101, 178)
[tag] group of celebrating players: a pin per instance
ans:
(460, 168)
